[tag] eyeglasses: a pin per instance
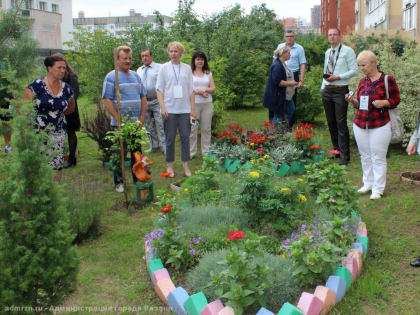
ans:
(289, 36)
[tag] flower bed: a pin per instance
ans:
(245, 239)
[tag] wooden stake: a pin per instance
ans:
(122, 155)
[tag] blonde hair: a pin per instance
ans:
(281, 51)
(125, 49)
(177, 45)
(366, 56)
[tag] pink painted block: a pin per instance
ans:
(163, 287)
(356, 254)
(351, 264)
(161, 274)
(227, 310)
(327, 296)
(310, 304)
(213, 308)
(361, 229)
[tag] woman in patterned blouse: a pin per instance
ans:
(54, 99)
(371, 126)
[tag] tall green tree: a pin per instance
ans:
(38, 264)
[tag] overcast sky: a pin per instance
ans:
(97, 8)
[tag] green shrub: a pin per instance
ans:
(38, 264)
(84, 212)
(309, 101)
(202, 188)
(211, 220)
(284, 286)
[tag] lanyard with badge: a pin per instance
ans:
(177, 87)
(364, 99)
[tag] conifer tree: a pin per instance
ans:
(38, 263)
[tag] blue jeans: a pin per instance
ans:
(288, 114)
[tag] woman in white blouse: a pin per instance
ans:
(175, 94)
(203, 88)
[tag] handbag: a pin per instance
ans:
(397, 130)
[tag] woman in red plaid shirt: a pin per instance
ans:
(372, 125)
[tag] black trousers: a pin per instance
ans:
(271, 114)
(336, 112)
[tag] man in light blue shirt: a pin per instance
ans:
(148, 73)
(297, 61)
(133, 98)
(339, 66)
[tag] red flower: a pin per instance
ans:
(165, 174)
(260, 150)
(235, 139)
(314, 147)
(267, 124)
(237, 235)
(166, 209)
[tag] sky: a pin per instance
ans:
(101, 8)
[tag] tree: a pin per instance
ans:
(38, 264)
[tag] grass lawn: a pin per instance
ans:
(113, 272)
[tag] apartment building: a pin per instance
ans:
(388, 16)
(52, 20)
(116, 25)
(338, 14)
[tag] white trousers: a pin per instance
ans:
(204, 114)
(373, 146)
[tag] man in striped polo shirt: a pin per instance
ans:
(133, 96)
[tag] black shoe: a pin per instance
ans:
(344, 161)
(70, 162)
(335, 156)
(415, 263)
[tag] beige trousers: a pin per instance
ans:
(204, 114)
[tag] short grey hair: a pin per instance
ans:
(281, 51)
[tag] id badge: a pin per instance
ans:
(364, 102)
(178, 91)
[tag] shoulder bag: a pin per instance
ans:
(397, 130)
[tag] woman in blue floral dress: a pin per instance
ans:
(54, 99)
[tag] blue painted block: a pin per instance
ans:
(358, 246)
(176, 300)
(264, 311)
(338, 285)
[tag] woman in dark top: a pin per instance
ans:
(275, 96)
(73, 119)
(54, 99)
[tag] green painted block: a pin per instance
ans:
(195, 303)
(318, 158)
(365, 242)
(295, 167)
(301, 168)
(289, 309)
(227, 163)
(154, 264)
(221, 167)
(211, 155)
(283, 170)
(246, 164)
(344, 274)
(233, 167)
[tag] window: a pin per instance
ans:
(27, 4)
(15, 3)
(43, 6)
(373, 4)
(409, 15)
(1, 4)
(54, 8)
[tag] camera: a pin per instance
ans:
(326, 75)
(193, 121)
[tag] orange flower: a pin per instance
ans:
(314, 147)
(165, 174)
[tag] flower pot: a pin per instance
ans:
(411, 177)
(233, 167)
(144, 191)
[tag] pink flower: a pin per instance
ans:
(334, 152)
(260, 150)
